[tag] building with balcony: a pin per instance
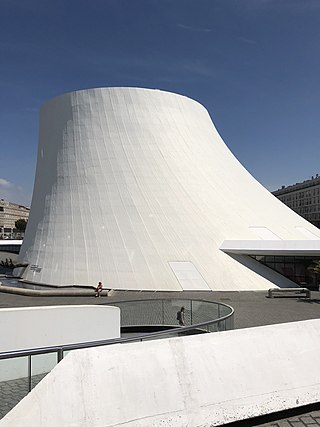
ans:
(303, 198)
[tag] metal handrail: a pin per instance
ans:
(89, 344)
(173, 331)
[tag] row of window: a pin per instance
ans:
(306, 209)
(292, 201)
(294, 268)
(14, 249)
(295, 193)
(294, 205)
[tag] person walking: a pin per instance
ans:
(180, 316)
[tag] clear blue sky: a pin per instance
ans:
(254, 64)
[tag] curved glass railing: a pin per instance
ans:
(144, 320)
(153, 314)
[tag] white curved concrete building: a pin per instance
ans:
(135, 187)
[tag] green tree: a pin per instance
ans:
(20, 225)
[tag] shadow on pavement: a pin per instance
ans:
(310, 300)
(281, 417)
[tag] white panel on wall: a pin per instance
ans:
(264, 233)
(307, 233)
(188, 276)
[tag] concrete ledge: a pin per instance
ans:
(206, 380)
(272, 247)
(298, 292)
(52, 292)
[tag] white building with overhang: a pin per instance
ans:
(135, 188)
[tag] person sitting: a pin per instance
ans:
(98, 289)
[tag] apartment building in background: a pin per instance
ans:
(303, 198)
(9, 214)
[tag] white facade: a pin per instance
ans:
(303, 198)
(135, 187)
(202, 380)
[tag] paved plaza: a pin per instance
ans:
(251, 309)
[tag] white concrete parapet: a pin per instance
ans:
(205, 380)
(33, 327)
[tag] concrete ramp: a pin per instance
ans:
(203, 380)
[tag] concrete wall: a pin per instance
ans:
(202, 380)
(27, 328)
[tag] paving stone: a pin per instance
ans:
(284, 423)
(312, 424)
(307, 419)
(297, 424)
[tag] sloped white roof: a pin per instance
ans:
(131, 182)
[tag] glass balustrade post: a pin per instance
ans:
(29, 373)
(162, 311)
(59, 355)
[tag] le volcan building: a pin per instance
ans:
(135, 188)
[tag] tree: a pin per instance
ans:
(20, 225)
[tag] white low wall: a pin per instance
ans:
(26, 328)
(202, 380)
